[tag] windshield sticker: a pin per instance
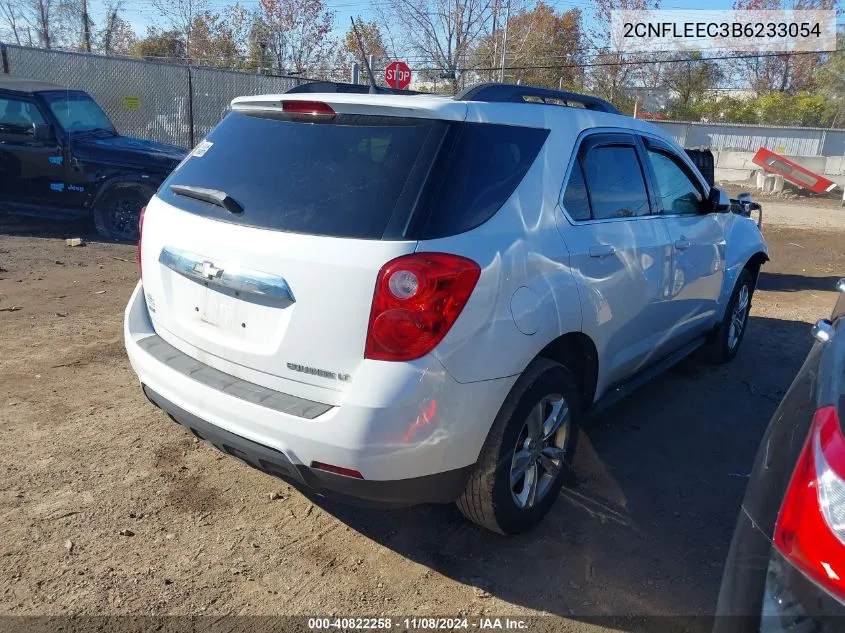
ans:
(202, 148)
(56, 160)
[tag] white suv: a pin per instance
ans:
(400, 299)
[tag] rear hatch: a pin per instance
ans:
(260, 253)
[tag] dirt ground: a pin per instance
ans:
(107, 507)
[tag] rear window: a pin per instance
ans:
(367, 177)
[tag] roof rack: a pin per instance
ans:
(509, 93)
(336, 86)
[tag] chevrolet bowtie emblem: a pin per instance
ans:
(208, 270)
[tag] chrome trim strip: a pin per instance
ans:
(225, 275)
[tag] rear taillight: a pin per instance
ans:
(810, 529)
(140, 236)
(417, 299)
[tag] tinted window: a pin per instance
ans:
(615, 181)
(357, 176)
(575, 199)
(678, 193)
(478, 169)
(18, 117)
(77, 111)
(342, 179)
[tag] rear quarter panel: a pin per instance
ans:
(526, 295)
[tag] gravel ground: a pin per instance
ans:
(108, 508)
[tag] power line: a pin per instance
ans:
(642, 62)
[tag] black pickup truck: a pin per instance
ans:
(61, 157)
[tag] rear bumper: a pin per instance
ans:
(439, 488)
(410, 429)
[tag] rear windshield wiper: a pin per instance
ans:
(212, 196)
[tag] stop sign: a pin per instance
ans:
(397, 75)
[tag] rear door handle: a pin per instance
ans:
(604, 250)
(682, 244)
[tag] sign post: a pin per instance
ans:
(397, 75)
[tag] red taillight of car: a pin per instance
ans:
(810, 529)
(140, 236)
(312, 108)
(417, 299)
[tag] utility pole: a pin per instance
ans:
(505, 40)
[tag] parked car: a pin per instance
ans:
(785, 570)
(408, 299)
(61, 157)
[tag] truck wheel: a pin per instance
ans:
(118, 210)
(723, 348)
(527, 456)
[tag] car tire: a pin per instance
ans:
(117, 212)
(499, 497)
(725, 345)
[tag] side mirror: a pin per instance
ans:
(719, 201)
(44, 133)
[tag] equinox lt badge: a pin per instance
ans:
(322, 373)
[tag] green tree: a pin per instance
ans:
(543, 49)
(157, 45)
(830, 79)
(690, 79)
(371, 38)
(212, 42)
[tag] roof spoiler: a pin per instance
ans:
(512, 93)
(339, 87)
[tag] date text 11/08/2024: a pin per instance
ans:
(416, 624)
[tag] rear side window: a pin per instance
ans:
(478, 169)
(366, 177)
(615, 182)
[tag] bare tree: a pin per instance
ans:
(116, 36)
(41, 12)
(616, 71)
(297, 33)
(782, 73)
(443, 31)
(22, 17)
(86, 26)
(12, 20)
(181, 14)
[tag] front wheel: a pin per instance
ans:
(725, 345)
(118, 211)
(527, 456)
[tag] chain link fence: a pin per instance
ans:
(156, 101)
